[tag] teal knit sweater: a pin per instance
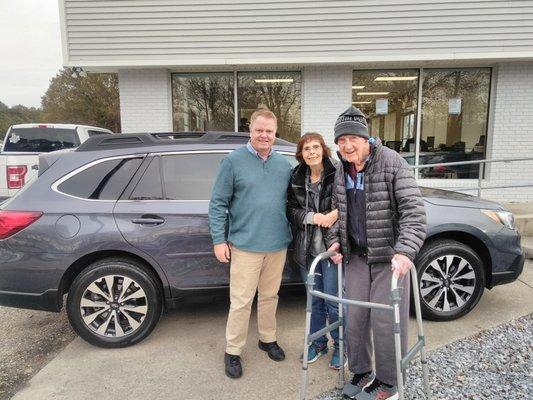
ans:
(250, 194)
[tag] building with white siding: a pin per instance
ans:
(440, 80)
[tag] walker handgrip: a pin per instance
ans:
(394, 281)
(320, 257)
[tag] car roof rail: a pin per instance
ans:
(132, 140)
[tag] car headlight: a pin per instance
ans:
(505, 218)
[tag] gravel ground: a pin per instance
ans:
(495, 364)
(28, 341)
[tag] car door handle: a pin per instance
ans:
(148, 221)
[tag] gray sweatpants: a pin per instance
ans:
(372, 283)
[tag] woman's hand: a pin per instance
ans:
(318, 219)
(330, 218)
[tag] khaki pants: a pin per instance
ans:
(251, 272)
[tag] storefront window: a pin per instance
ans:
(455, 104)
(454, 115)
(280, 92)
(203, 101)
(389, 99)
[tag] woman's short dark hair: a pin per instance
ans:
(307, 137)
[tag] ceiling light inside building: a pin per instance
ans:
(361, 102)
(395, 78)
(358, 87)
(288, 80)
(372, 93)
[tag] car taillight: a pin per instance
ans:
(12, 222)
(15, 176)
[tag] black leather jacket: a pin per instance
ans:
(299, 203)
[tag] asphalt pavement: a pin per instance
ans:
(183, 358)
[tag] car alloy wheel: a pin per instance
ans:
(451, 279)
(114, 302)
(447, 283)
(113, 306)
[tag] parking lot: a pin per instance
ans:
(183, 357)
(30, 339)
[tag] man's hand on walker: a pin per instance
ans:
(222, 252)
(400, 265)
(337, 258)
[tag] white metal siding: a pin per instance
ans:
(204, 32)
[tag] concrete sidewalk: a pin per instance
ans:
(183, 358)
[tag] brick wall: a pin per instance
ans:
(327, 92)
(145, 100)
(512, 132)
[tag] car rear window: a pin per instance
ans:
(105, 180)
(40, 140)
(190, 176)
(184, 176)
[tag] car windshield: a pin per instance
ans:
(40, 139)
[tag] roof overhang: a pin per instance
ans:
(414, 60)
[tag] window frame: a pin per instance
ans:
(236, 89)
(136, 179)
(483, 172)
(55, 185)
(191, 73)
(419, 72)
(239, 88)
(418, 115)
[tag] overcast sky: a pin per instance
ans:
(30, 49)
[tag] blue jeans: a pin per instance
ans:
(326, 282)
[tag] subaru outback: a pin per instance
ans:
(120, 226)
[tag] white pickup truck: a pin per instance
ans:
(23, 143)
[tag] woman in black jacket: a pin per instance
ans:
(310, 214)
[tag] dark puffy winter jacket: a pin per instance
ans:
(299, 203)
(395, 212)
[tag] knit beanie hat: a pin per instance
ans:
(351, 122)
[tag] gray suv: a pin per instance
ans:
(120, 225)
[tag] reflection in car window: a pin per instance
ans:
(292, 160)
(190, 176)
(149, 187)
(103, 181)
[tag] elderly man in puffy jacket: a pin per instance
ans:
(382, 222)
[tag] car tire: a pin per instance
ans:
(118, 317)
(451, 279)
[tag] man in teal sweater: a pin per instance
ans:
(249, 196)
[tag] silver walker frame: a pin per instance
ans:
(401, 363)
